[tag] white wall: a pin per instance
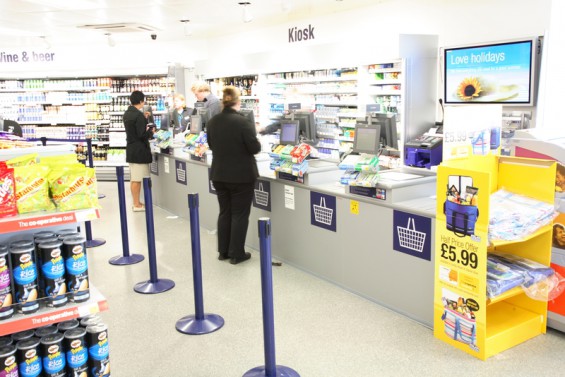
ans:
(361, 36)
(370, 34)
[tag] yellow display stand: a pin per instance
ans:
(463, 315)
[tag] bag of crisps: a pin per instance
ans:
(68, 188)
(63, 159)
(28, 159)
(92, 186)
(7, 191)
(32, 188)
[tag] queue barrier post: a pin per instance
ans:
(126, 258)
(200, 322)
(270, 369)
(154, 284)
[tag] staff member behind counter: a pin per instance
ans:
(203, 94)
(181, 114)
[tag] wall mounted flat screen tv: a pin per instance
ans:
(502, 73)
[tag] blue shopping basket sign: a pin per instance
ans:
(412, 234)
(323, 211)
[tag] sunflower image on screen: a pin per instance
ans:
(459, 320)
(485, 89)
(469, 88)
(461, 205)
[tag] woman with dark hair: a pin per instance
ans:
(233, 141)
(138, 151)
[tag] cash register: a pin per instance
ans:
(424, 151)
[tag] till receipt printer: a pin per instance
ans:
(424, 151)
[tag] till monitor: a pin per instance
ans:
(195, 124)
(249, 115)
(307, 123)
(367, 138)
(289, 132)
(389, 133)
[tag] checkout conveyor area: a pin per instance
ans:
(320, 227)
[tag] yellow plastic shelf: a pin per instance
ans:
(508, 326)
(506, 295)
(542, 230)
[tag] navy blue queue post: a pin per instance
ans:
(199, 323)
(90, 242)
(126, 258)
(270, 369)
(154, 284)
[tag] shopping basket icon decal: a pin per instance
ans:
(411, 234)
(323, 214)
(410, 238)
(261, 196)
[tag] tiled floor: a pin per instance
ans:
(321, 330)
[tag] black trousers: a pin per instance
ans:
(235, 205)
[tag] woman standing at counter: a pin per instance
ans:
(233, 141)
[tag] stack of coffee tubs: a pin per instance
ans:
(77, 348)
(49, 271)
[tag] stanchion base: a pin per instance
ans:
(147, 287)
(192, 326)
(122, 260)
(281, 371)
(95, 242)
(101, 196)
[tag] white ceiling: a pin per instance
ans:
(24, 22)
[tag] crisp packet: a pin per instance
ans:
(68, 188)
(7, 192)
(32, 188)
(28, 159)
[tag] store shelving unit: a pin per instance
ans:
(14, 226)
(79, 108)
(481, 326)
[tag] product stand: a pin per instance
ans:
(154, 284)
(199, 323)
(270, 369)
(486, 326)
(126, 258)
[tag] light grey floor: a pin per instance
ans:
(321, 330)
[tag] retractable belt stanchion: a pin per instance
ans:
(126, 258)
(199, 323)
(90, 242)
(270, 369)
(154, 284)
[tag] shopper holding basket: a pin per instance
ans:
(233, 141)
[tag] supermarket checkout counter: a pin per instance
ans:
(354, 241)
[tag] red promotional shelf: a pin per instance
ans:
(46, 219)
(48, 316)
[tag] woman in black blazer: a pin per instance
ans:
(233, 141)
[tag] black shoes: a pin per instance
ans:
(245, 257)
(223, 256)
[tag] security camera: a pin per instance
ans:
(154, 36)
